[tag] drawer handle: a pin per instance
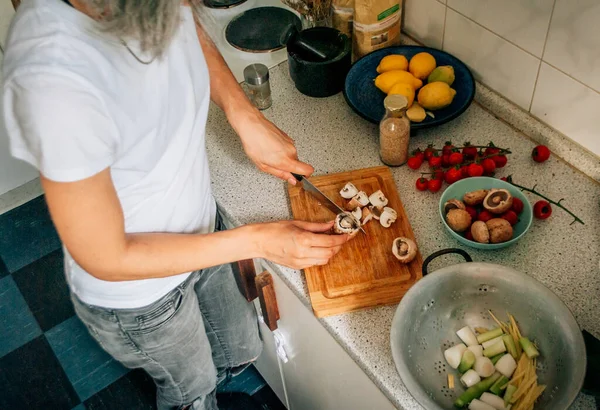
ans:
(245, 275)
(268, 299)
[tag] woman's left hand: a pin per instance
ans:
(270, 149)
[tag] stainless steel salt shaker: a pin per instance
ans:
(257, 87)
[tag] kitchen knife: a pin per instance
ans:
(320, 196)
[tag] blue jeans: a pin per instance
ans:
(188, 341)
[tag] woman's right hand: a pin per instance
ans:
(298, 244)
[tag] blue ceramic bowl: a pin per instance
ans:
(460, 188)
(367, 100)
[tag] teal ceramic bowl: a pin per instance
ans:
(457, 191)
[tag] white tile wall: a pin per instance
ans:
(496, 62)
(524, 23)
(544, 55)
(568, 106)
(574, 40)
(424, 19)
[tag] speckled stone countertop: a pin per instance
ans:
(333, 138)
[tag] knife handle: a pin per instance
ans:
(298, 177)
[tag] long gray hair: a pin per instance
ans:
(153, 23)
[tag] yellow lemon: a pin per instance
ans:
(416, 113)
(435, 96)
(421, 65)
(444, 73)
(392, 62)
(404, 89)
(386, 80)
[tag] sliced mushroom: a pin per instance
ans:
(360, 199)
(500, 230)
(387, 218)
(367, 216)
(459, 220)
(378, 199)
(345, 223)
(480, 232)
(404, 249)
(498, 201)
(474, 198)
(357, 213)
(453, 204)
(348, 191)
(391, 211)
(376, 211)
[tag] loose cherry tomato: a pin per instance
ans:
(435, 162)
(469, 151)
(414, 162)
(472, 211)
(542, 210)
(491, 150)
(452, 175)
(445, 161)
(485, 216)
(434, 185)
(429, 151)
(456, 158)
(510, 216)
(447, 149)
(540, 153)
(500, 160)
(489, 166)
(517, 205)
(419, 154)
(475, 170)
(422, 184)
(469, 235)
(464, 170)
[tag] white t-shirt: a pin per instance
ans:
(76, 101)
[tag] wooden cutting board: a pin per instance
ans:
(364, 273)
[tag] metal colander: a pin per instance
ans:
(446, 300)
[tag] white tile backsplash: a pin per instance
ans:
(424, 20)
(574, 40)
(569, 106)
(493, 60)
(525, 23)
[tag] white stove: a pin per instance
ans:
(215, 20)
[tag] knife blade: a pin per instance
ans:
(320, 196)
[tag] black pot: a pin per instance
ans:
(314, 75)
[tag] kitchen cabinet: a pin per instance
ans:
(319, 374)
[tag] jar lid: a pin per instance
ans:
(256, 74)
(395, 102)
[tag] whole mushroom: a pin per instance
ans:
(404, 249)
(474, 198)
(453, 204)
(498, 201)
(480, 232)
(459, 220)
(500, 230)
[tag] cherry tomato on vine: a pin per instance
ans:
(422, 184)
(475, 170)
(435, 162)
(542, 210)
(491, 150)
(447, 149)
(489, 166)
(438, 174)
(456, 158)
(464, 170)
(500, 160)
(445, 161)
(434, 185)
(469, 151)
(429, 151)
(414, 162)
(452, 175)
(540, 153)
(419, 154)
